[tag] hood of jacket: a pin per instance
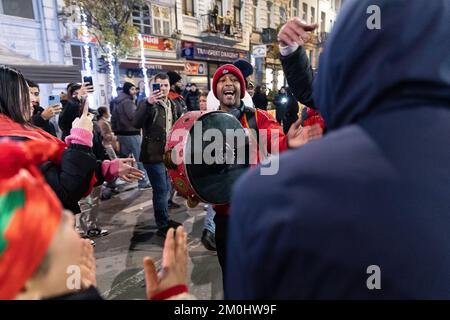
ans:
(405, 64)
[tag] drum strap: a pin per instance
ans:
(251, 120)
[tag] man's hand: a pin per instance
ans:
(174, 264)
(295, 32)
(85, 121)
(51, 111)
(298, 136)
(155, 97)
(128, 172)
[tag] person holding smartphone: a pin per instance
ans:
(41, 117)
(75, 93)
(155, 116)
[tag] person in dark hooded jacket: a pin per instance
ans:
(129, 137)
(363, 213)
(175, 93)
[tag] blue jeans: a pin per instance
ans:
(132, 145)
(160, 185)
(209, 219)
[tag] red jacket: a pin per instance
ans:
(313, 117)
(264, 121)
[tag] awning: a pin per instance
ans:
(37, 71)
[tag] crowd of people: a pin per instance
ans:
(363, 175)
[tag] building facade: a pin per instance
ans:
(214, 32)
(31, 28)
(191, 37)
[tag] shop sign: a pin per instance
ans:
(195, 68)
(156, 43)
(212, 53)
(260, 51)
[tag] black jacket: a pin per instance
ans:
(192, 101)
(70, 112)
(299, 75)
(291, 114)
(375, 190)
(123, 114)
(260, 101)
(38, 121)
(152, 120)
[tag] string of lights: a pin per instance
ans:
(144, 69)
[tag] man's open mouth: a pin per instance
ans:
(228, 93)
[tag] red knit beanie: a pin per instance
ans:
(226, 69)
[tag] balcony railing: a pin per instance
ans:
(215, 26)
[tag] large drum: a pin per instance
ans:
(206, 152)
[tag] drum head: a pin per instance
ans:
(216, 156)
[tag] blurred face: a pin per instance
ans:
(65, 250)
(251, 91)
(282, 91)
(35, 97)
(229, 91)
(75, 93)
(165, 86)
(133, 91)
(202, 103)
(193, 88)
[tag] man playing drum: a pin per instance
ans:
(229, 88)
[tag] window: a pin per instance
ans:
(313, 15)
(161, 20)
(141, 19)
(305, 12)
(322, 21)
(295, 9)
(18, 8)
(188, 8)
(283, 17)
(255, 14)
(78, 56)
(220, 7)
(269, 14)
(237, 12)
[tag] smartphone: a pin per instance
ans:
(88, 80)
(156, 87)
(54, 99)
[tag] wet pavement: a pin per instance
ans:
(129, 218)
